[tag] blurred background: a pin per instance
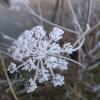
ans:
(16, 16)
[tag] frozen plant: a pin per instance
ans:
(40, 52)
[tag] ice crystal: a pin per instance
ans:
(42, 53)
(32, 86)
(12, 68)
(58, 80)
(56, 34)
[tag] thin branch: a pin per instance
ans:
(5, 53)
(85, 33)
(7, 37)
(69, 59)
(4, 44)
(47, 21)
(97, 47)
(83, 39)
(74, 16)
(90, 10)
(40, 12)
(94, 66)
(80, 45)
(61, 12)
(51, 70)
(13, 82)
(53, 18)
(6, 74)
(58, 12)
(79, 29)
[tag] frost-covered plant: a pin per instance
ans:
(42, 53)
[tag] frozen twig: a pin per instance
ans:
(80, 45)
(6, 74)
(69, 59)
(40, 12)
(7, 37)
(85, 33)
(13, 82)
(75, 18)
(5, 53)
(93, 66)
(4, 44)
(89, 12)
(55, 11)
(47, 21)
(97, 47)
(78, 29)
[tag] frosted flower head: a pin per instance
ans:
(41, 53)
(68, 48)
(43, 75)
(29, 65)
(56, 34)
(12, 68)
(32, 86)
(39, 32)
(58, 80)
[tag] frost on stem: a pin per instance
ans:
(39, 52)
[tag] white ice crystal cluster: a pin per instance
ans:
(37, 51)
